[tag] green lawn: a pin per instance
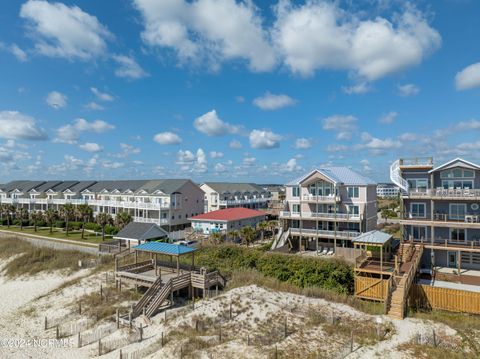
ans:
(59, 233)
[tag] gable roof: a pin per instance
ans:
(339, 175)
(167, 186)
(229, 214)
(141, 231)
(453, 163)
(232, 187)
(164, 248)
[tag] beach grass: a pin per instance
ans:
(60, 233)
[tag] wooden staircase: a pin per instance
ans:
(409, 253)
(148, 297)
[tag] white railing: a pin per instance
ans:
(151, 220)
(465, 193)
(312, 198)
(346, 216)
(242, 201)
(395, 176)
(325, 233)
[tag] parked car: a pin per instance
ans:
(187, 243)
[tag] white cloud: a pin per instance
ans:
(127, 150)
(303, 144)
(94, 106)
(336, 148)
(357, 89)
(366, 165)
(290, 166)
(408, 136)
(240, 99)
(91, 147)
(467, 125)
(102, 96)
(62, 31)
(201, 163)
(468, 78)
(269, 101)
(235, 145)
(220, 168)
(185, 157)
(112, 165)
(211, 125)
(263, 139)
(20, 54)
(408, 90)
(192, 162)
(56, 100)
(216, 154)
(71, 132)
(128, 68)
(249, 161)
(167, 138)
(15, 125)
(377, 145)
(186, 27)
(388, 118)
(344, 125)
(321, 35)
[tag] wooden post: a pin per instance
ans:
(117, 317)
(130, 320)
(120, 285)
(141, 332)
(136, 257)
(178, 266)
(120, 352)
(351, 342)
(99, 347)
(80, 308)
(57, 334)
(46, 324)
(165, 319)
(230, 310)
(248, 339)
(79, 340)
(286, 328)
(220, 333)
(459, 262)
(101, 291)
(162, 340)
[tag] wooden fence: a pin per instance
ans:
(371, 288)
(454, 300)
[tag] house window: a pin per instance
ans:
(457, 211)
(295, 191)
(451, 184)
(295, 223)
(457, 235)
(457, 173)
(417, 210)
(353, 192)
(419, 232)
(418, 184)
(295, 208)
(353, 210)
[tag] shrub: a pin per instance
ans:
(59, 224)
(75, 225)
(92, 226)
(333, 274)
(111, 230)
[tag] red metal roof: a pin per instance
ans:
(229, 214)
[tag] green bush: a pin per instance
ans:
(59, 224)
(111, 230)
(333, 274)
(92, 226)
(75, 225)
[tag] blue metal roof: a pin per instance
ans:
(343, 175)
(373, 237)
(164, 248)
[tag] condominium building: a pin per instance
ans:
(441, 208)
(166, 202)
(387, 190)
(220, 195)
(327, 207)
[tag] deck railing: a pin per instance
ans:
(331, 215)
(330, 199)
(444, 217)
(325, 233)
(447, 193)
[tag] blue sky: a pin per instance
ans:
(230, 90)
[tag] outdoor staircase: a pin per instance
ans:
(396, 177)
(281, 239)
(152, 298)
(401, 284)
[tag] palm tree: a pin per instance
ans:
(102, 220)
(22, 214)
(9, 211)
(66, 212)
(234, 234)
(85, 212)
(215, 237)
(50, 217)
(248, 234)
(263, 226)
(272, 225)
(122, 219)
(36, 216)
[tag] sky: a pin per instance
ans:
(230, 90)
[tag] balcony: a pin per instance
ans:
(318, 215)
(443, 220)
(321, 199)
(445, 194)
(324, 233)
(128, 204)
(416, 162)
(161, 221)
(472, 245)
(235, 202)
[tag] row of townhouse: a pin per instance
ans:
(441, 208)
(168, 202)
(220, 195)
(327, 207)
